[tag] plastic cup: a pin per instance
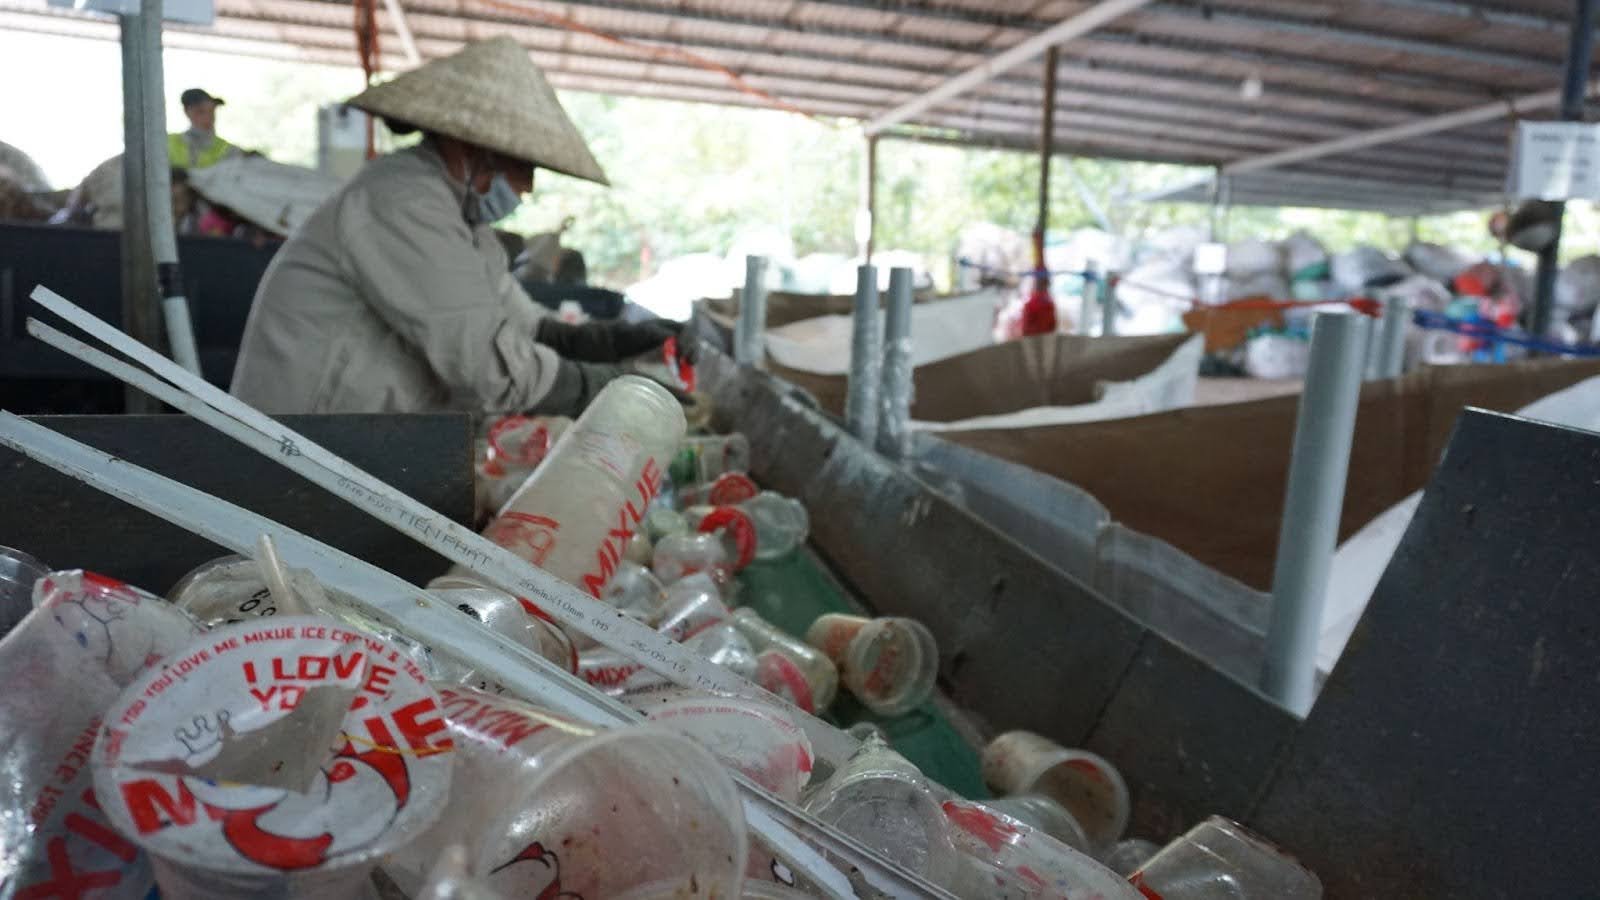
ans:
(781, 523)
(889, 664)
(507, 615)
(274, 758)
(736, 529)
(758, 739)
(635, 591)
(640, 550)
(727, 490)
(223, 591)
(661, 521)
(724, 645)
(1129, 854)
(693, 604)
(18, 572)
(614, 672)
(637, 812)
(703, 459)
(788, 667)
(1222, 860)
(680, 555)
(514, 447)
(883, 801)
(1089, 787)
(1000, 856)
(1046, 815)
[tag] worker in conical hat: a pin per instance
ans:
(396, 294)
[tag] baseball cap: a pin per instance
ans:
(196, 95)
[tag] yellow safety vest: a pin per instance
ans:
(178, 152)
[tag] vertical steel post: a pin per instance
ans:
(1108, 310)
(1312, 506)
(866, 359)
(867, 216)
(1580, 48)
(1392, 345)
(1047, 147)
(749, 345)
(894, 426)
(158, 194)
(138, 273)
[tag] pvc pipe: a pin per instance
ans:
(1312, 506)
(866, 359)
(894, 431)
(749, 345)
(1108, 310)
(1392, 342)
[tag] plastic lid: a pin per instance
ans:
(738, 526)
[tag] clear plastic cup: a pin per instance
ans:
(889, 663)
(729, 489)
(636, 592)
(733, 526)
(224, 590)
(640, 549)
(882, 800)
(272, 758)
(575, 514)
(637, 812)
(1000, 856)
(703, 459)
(514, 447)
(18, 572)
(1221, 860)
(662, 520)
(781, 523)
(1129, 854)
(614, 672)
(724, 645)
(70, 659)
(1046, 815)
(509, 616)
(787, 666)
(758, 739)
(1089, 787)
(693, 604)
(680, 555)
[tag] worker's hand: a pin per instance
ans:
(609, 341)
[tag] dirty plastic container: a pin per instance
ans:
(1221, 860)
(704, 459)
(636, 812)
(882, 800)
(680, 555)
(279, 757)
(889, 663)
(574, 515)
(693, 604)
(636, 592)
(1047, 815)
(1089, 787)
(18, 572)
(998, 856)
(787, 666)
(509, 616)
(758, 739)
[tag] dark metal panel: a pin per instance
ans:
(1452, 752)
(71, 525)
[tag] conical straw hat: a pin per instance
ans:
(490, 94)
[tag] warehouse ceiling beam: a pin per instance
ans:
(1084, 22)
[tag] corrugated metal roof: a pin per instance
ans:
(1162, 83)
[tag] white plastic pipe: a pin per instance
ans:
(1312, 506)
(749, 339)
(1392, 340)
(894, 429)
(866, 358)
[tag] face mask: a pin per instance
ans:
(491, 206)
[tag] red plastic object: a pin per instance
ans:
(1039, 312)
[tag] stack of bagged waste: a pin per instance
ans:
(258, 733)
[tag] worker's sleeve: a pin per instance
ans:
(415, 264)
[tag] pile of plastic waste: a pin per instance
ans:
(257, 733)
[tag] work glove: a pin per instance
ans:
(578, 383)
(605, 342)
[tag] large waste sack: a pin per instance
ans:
(88, 638)
(273, 196)
(1438, 262)
(1304, 257)
(1366, 267)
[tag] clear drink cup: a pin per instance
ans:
(1222, 860)
(18, 572)
(693, 605)
(889, 664)
(703, 459)
(787, 666)
(1089, 787)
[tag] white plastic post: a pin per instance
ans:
(894, 432)
(749, 345)
(866, 358)
(1314, 501)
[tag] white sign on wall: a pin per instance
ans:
(1556, 161)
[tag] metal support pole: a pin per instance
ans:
(1108, 310)
(749, 345)
(1580, 48)
(866, 359)
(867, 215)
(1312, 506)
(894, 427)
(1047, 146)
(158, 193)
(1089, 301)
(138, 272)
(1392, 345)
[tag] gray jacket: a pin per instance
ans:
(387, 301)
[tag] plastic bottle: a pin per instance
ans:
(1222, 860)
(889, 664)
(574, 515)
(704, 459)
(787, 666)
